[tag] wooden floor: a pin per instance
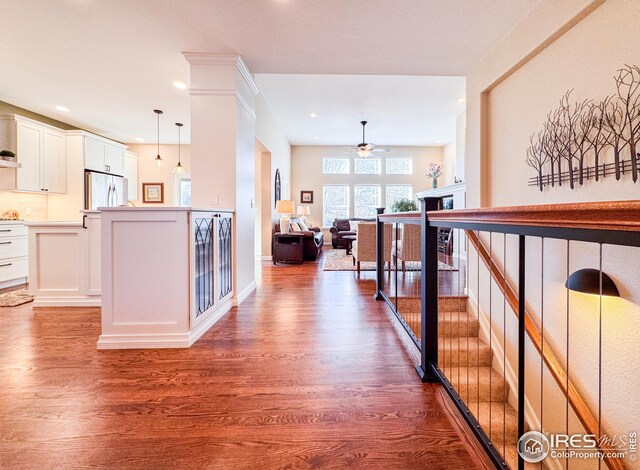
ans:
(306, 373)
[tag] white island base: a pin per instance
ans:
(167, 275)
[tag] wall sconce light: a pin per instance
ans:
(587, 281)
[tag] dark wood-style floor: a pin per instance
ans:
(306, 373)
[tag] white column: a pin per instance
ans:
(222, 97)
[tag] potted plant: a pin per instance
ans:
(404, 205)
(434, 171)
(7, 155)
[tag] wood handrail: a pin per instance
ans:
(615, 215)
(400, 217)
(577, 403)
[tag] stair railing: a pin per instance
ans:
(441, 339)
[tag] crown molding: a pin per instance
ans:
(212, 58)
(207, 91)
(246, 105)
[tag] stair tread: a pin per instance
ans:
(466, 379)
(463, 351)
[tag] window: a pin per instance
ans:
(366, 166)
(182, 190)
(335, 166)
(395, 192)
(335, 203)
(365, 200)
(399, 166)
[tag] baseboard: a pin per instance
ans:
(158, 341)
(13, 282)
(266, 258)
(41, 301)
(238, 299)
(203, 327)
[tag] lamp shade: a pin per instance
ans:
(587, 281)
(285, 206)
(304, 210)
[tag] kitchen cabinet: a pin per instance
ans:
(41, 153)
(54, 171)
(65, 262)
(14, 254)
(103, 155)
(131, 173)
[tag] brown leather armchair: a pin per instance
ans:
(339, 229)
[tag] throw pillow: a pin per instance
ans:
(295, 227)
(303, 226)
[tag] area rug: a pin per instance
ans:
(15, 298)
(338, 260)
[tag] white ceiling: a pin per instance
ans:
(400, 110)
(113, 61)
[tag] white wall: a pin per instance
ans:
(574, 44)
(277, 151)
(149, 172)
(307, 172)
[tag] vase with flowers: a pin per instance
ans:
(434, 171)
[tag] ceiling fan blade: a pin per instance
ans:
(381, 150)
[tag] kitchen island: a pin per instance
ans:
(167, 275)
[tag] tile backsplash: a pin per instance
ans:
(23, 202)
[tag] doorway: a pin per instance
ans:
(263, 203)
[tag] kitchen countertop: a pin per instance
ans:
(51, 223)
(162, 208)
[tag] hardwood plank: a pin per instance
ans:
(307, 373)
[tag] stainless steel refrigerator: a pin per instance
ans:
(103, 190)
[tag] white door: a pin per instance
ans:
(131, 173)
(114, 159)
(54, 162)
(94, 154)
(29, 153)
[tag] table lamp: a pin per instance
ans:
(304, 211)
(285, 207)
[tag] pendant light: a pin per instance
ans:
(179, 168)
(158, 159)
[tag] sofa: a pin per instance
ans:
(312, 241)
(341, 228)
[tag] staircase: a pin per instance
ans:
(466, 361)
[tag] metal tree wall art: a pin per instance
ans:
(575, 137)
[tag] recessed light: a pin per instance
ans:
(139, 139)
(461, 100)
(64, 109)
(180, 85)
(313, 115)
(317, 138)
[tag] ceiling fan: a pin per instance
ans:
(365, 149)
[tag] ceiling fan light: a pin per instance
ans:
(363, 152)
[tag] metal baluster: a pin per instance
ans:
(479, 324)
(600, 355)
(542, 340)
(504, 346)
(566, 410)
(521, 337)
(490, 328)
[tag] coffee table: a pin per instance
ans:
(350, 239)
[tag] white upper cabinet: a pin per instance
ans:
(54, 161)
(114, 159)
(101, 155)
(94, 151)
(29, 155)
(41, 152)
(131, 173)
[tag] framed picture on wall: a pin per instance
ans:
(306, 197)
(153, 193)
